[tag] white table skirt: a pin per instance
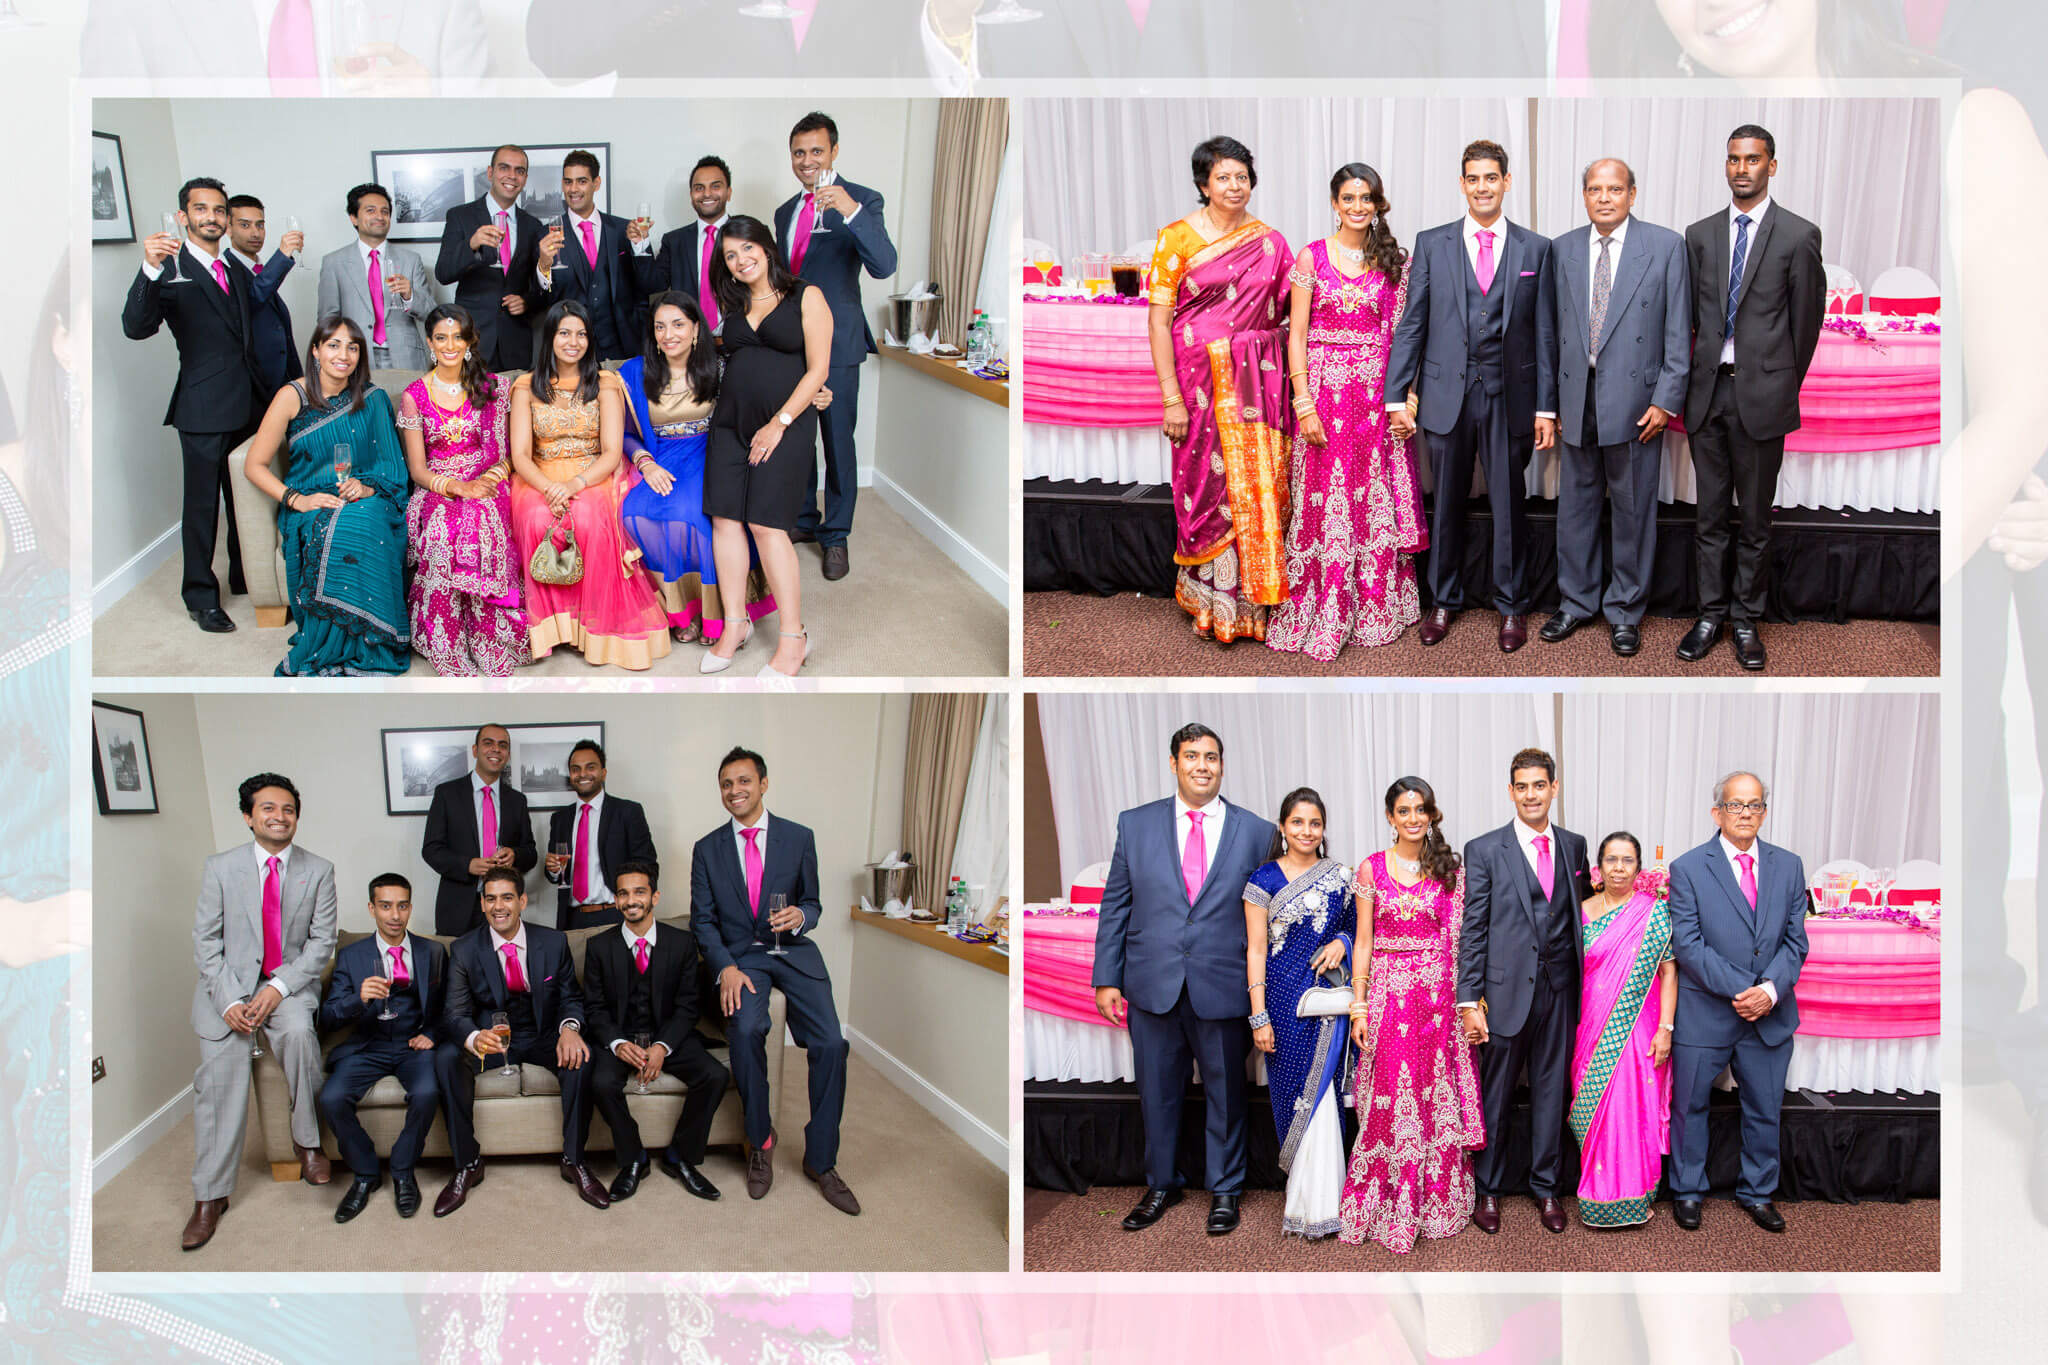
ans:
(1884, 481)
(1057, 1049)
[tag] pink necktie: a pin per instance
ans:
(292, 58)
(1138, 9)
(1485, 260)
(1748, 878)
(640, 955)
(399, 980)
(504, 244)
(376, 300)
(1194, 858)
(487, 830)
(582, 887)
(800, 235)
(707, 299)
(273, 920)
(1546, 871)
(515, 980)
(257, 268)
(752, 836)
(801, 21)
(589, 231)
(220, 275)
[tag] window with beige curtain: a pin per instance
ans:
(936, 766)
(967, 164)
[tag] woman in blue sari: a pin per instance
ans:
(1298, 925)
(342, 530)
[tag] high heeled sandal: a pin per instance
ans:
(712, 663)
(769, 670)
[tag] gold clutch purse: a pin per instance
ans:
(558, 568)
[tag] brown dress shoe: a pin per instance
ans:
(1552, 1210)
(1436, 625)
(205, 1219)
(760, 1167)
(465, 1179)
(1486, 1215)
(587, 1185)
(834, 1189)
(313, 1167)
(1514, 633)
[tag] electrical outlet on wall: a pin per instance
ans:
(99, 1069)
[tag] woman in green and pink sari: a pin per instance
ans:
(1219, 344)
(1621, 1060)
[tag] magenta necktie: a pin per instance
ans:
(399, 980)
(1138, 9)
(376, 300)
(1546, 871)
(1748, 878)
(487, 828)
(1485, 260)
(800, 235)
(582, 887)
(291, 57)
(640, 955)
(752, 836)
(515, 980)
(1194, 858)
(273, 919)
(707, 299)
(504, 244)
(257, 268)
(220, 276)
(589, 231)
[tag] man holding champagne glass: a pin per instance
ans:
(378, 285)
(587, 255)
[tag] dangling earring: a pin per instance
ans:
(1685, 63)
(465, 355)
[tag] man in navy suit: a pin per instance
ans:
(829, 234)
(1170, 963)
(594, 266)
(683, 260)
(603, 833)
(406, 976)
(1477, 346)
(525, 972)
(1520, 961)
(275, 353)
(1738, 929)
(735, 871)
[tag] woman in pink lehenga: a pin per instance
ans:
(1356, 519)
(1415, 1089)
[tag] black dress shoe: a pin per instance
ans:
(213, 621)
(836, 563)
(628, 1180)
(1765, 1216)
(689, 1177)
(1151, 1209)
(405, 1189)
(358, 1197)
(1686, 1213)
(1703, 636)
(1626, 640)
(1560, 627)
(1748, 642)
(1222, 1214)
(800, 536)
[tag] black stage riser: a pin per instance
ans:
(1887, 1151)
(1823, 567)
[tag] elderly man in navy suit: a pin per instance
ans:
(1170, 963)
(1738, 929)
(829, 234)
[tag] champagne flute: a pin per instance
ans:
(643, 212)
(643, 1041)
(560, 849)
(344, 460)
(501, 1025)
(1881, 880)
(291, 224)
(174, 228)
(777, 903)
(390, 985)
(768, 9)
(568, 236)
(1008, 12)
(825, 177)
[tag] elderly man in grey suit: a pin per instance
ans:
(1624, 328)
(378, 285)
(263, 934)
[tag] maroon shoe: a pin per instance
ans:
(1436, 625)
(465, 1179)
(1553, 1214)
(203, 1223)
(587, 1185)
(1514, 632)
(1486, 1217)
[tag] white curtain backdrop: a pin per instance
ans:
(1106, 752)
(998, 271)
(981, 850)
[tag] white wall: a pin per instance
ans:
(938, 1027)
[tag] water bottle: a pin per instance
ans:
(977, 341)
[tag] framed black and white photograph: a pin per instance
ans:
(112, 219)
(540, 761)
(121, 775)
(427, 183)
(417, 761)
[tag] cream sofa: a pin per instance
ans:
(524, 1114)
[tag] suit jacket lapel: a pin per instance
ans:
(201, 274)
(1765, 919)
(1628, 273)
(1571, 277)
(1724, 876)
(1509, 270)
(1717, 240)
(728, 859)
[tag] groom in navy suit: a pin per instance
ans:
(1738, 929)
(1170, 962)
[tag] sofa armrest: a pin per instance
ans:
(256, 528)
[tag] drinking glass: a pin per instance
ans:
(568, 236)
(643, 1041)
(176, 229)
(777, 902)
(1881, 880)
(643, 212)
(768, 9)
(344, 460)
(827, 177)
(255, 1044)
(1008, 12)
(501, 1024)
(390, 985)
(291, 224)
(1123, 273)
(560, 849)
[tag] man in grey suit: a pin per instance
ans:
(1738, 929)
(263, 934)
(378, 285)
(1170, 963)
(1624, 326)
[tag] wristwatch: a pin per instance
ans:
(784, 418)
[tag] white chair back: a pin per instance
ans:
(1918, 881)
(1906, 291)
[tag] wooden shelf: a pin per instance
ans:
(980, 954)
(947, 372)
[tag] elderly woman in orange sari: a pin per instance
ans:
(1219, 343)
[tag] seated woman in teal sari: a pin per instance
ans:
(341, 526)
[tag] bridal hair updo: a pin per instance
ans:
(1382, 252)
(1439, 859)
(1276, 847)
(1216, 149)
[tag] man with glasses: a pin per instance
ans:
(1738, 928)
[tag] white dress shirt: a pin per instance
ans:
(942, 64)
(573, 240)
(249, 263)
(492, 208)
(198, 249)
(632, 940)
(1212, 830)
(1756, 225)
(600, 894)
(739, 843)
(404, 947)
(284, 867)
(1526, 837)
(1756, 864)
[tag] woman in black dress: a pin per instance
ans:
(777, 341)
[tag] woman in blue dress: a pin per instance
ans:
(1298, 925)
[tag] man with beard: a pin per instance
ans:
(602, 832)
(379, 286)
(683, 261)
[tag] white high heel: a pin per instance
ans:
(769, 670)
(712, 663)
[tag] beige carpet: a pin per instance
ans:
(928, 1202)
(904, 609)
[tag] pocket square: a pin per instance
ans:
(1527, 273)
(544, 980)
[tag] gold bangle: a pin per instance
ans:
(1297, 374)
(1175, 402)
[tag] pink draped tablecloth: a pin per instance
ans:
(1869, 979)
(1059, 960)
(1088, 364)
